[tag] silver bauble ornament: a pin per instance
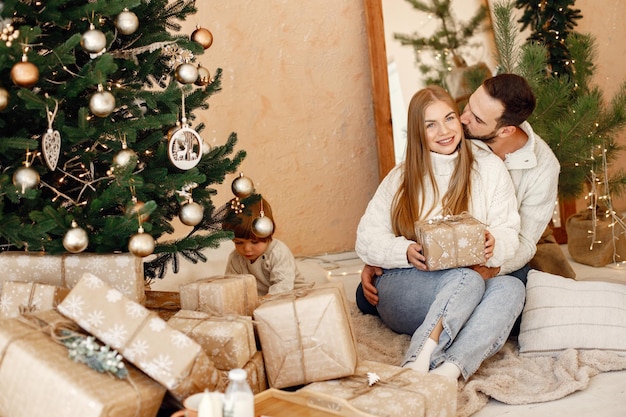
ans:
(124, 157)
(204, 77)
(93, 41)
(25, 178)
(4, 98)
(262, 226)
(141, 244)
(102, 103)
(191, 213)
(242, 186)
(76, 239)
(187, 73)
(126, 22)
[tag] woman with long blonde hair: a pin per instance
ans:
(442, 174)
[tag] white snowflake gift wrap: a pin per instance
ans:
(123, 271)
(18, 297)
(141, 336)
(451, 241)
(306, 336)
(221, 294)
(398, 391)
(227, 340)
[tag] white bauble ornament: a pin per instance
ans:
(127, 22)
(102, 103)
(191, 213)
(124, 157)
(93, 41)
(262, 226)
(25, 178)
(242, 186)
(141, 244)
(4, 98)
(76, 239)
(187, 73)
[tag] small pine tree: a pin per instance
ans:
(572, 115)
(446, 44)
(118, 171)
(551, 22)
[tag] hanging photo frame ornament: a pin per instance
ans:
(185, 145)
(51, 140)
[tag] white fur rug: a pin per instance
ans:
(506, 377)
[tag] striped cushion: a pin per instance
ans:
(561, 313)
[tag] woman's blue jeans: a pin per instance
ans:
(477, 314)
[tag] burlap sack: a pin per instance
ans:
(550, 258)
(609, 241)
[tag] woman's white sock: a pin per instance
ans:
(447, 369)
(422, 362)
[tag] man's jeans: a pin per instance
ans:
(477, 314)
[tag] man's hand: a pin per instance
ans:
(368, 278)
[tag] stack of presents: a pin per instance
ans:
(302, 342)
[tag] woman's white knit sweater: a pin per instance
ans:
(492, 202)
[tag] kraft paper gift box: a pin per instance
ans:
(255, 370)
(19, 297)
(38, 378)
(227, 340)
(142, 337)
(306, 336)
(399, 392)
(123, 271)
(221, 294)
(451, 241)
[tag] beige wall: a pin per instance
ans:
(296, 89)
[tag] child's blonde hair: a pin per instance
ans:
(240, 222)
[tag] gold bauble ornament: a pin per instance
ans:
(102, 103)
(25, 178)
(93, 41)
(76, 239)
(242, 186)
(25, 74)
(202, 36)
(262, 226)
(4, 98)
(126, 22)
(124, 157)
(141, 244)
(191, 213)
(204, 77)
(187, 73)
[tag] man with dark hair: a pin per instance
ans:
(495, 118)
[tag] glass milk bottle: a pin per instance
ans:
(238, 397)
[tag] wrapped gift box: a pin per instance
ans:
(451, 241)
(141, 336)
(19, 297)
(221, 294)
(306, 336)
(255, 370)
(227, 340)
(37, 378)
(122, 271)
(399, 392)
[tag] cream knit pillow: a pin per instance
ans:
(561, 313)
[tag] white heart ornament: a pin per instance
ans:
(51, 146)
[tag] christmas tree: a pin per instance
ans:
(97, 148)
(446, 44)
(572, 115)
(551, 23)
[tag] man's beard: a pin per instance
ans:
(488, 139)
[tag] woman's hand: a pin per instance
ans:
(415, 257)
(490, 244)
